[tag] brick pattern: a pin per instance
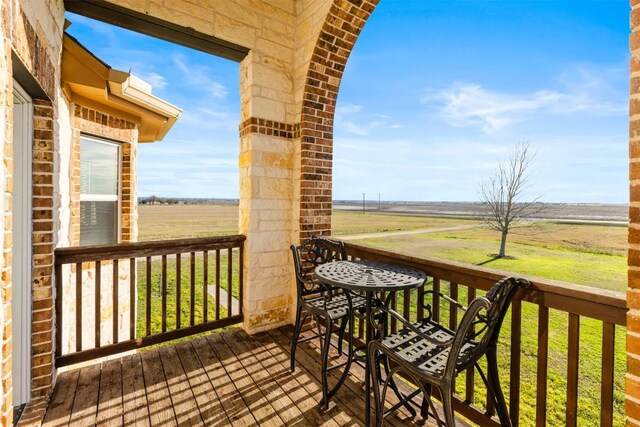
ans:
(42, 240)
(31, 34)
(339, 33)
(633, 293)
(33, 52)
(270, 128)
(93, 122)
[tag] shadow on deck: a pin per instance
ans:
(226, 378)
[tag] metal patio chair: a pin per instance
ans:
(431, 355)
(325, 304)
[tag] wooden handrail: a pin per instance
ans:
(76, 254)
(600, 304)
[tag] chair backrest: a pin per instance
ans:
(481, 324)
(308, 256)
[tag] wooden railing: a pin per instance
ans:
(547, 309)
(116, 298)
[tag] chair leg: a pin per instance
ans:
(343, 326)
(378, 405)
(326, 343)
(392, 383)
(424, 409)
(296, 336)
(495, 389)
(447, 406)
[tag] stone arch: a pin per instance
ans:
(340, 30)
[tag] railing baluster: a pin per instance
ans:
(419, 307)
(240, 276)
(470, 380)
(608, 360)
(132, 298)
(205, 286)
(78, 307)
(59, 317)
(436, 299)
(453, 315)
(453, 310)
(572, 369)
(394, 306)
(164, 293)
(192, 291)
(229, 281)
(148, 296)
(217, 284)
(541, 381)
(97, 307)
(406, 305)
(514, 374)
(114, 299)
(178, 289)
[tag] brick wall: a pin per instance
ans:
(32, 30)
(633, 292)
(339, 33)
(42, 238)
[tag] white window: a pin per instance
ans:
(99, 191)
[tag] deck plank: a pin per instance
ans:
(352, 391)
(252, 396)
(279, 401)
(182, 397)
(110, 398)
(235, 408)
(226, 378)
(85, 406)
(134, 395)
(159, 401)
(59, 412)
(209, 405)
(304, 391)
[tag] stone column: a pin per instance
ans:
(266, 193)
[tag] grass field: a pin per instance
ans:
(584, 254)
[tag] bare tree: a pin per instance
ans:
(502, 207)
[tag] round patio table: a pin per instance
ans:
(369, 277)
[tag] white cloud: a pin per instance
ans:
(582, 90)
(354, 119)
(154, 79)
(198, 75)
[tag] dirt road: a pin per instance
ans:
(404, 232)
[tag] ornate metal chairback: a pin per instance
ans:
(482, 322)
(311, 254)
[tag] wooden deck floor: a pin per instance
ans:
(226, 378)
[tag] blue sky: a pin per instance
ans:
(434, 96)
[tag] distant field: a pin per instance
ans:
(157, 222)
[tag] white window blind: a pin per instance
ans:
(99, 191)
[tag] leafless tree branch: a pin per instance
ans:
(501, 194)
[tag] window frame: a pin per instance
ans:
(102, 197)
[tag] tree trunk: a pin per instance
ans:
(503, 245)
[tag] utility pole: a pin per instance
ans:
(379, 207)
(363, 204)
